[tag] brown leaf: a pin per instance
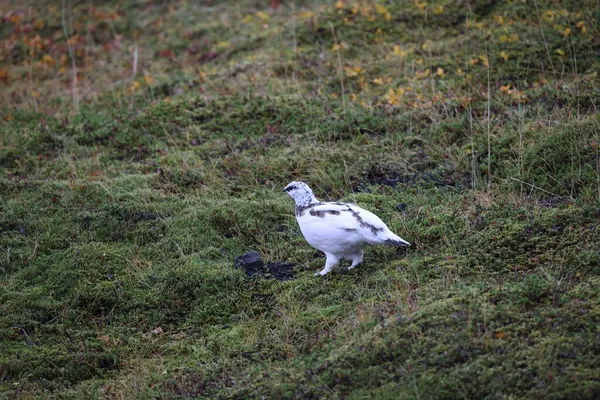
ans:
(166, 53)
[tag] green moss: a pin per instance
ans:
(120, 224)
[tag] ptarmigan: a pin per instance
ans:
(340, 230)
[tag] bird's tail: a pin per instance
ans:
(395, 240)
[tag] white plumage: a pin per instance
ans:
(340, 230)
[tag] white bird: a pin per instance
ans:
(340, 230)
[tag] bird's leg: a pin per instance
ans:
(330, 262)
(356, 259)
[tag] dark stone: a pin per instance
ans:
(402, 207)
(282, 228)
(282, 271)
(254, 266)
(138, 216)
(251, 263)
(557, 228)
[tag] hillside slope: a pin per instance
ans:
(144, 146)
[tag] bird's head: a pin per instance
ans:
(300, 192)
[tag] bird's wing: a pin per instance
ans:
(367, 219)
(336, 215)
(349, 216)
(324, 219)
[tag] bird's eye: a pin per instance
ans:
(289, 188)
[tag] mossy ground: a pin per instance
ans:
(123, 208)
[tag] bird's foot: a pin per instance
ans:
(323, 272)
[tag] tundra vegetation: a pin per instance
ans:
(144, 145)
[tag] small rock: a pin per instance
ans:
(254, 266)
(402, 207)
(558, 228)
(251, 263)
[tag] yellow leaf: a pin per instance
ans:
(340, 4)
(398, 51)
(8, 117)
(353, 97)
(307, 14)
(15, 19)
(423, 74)
(378, 81)
(48, 59)
(262, 15)
(148, 79)
(39, 24)
(35, 94)
(247, 18)
(135, 85)
(73, 40)
(440, 72)
(224, 44)
(340, 46)
(504, 55)
(394, 97)
(560, 52)
(567, 32)
(438, 10)
(548, 16)
(484, 59)
(381, 9)
(501, 335)
(350, 72)
(505, 88)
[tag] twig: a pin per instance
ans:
(544, 37)
(294, 43)
(135, 62)
(35, 248)
(473, 169)
(341, 71)
(489, 143)
(72, 55)
(537, 187)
